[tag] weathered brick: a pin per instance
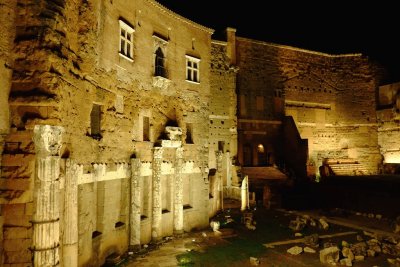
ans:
(15, 184)
(17, 232)
(29, 208)
(17, 244)
(18, 220)
(13, 209)
(22, 256)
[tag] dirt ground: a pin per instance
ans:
(236, 244)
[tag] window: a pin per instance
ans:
(260, 103)
(221, 145)
(125, 40)
(189, 133)
(192, 69)
(146, 129)
(159, 64)
(243, 105)
(95, 120)
(278, 93)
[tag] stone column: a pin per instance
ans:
(70, 246)
(220, 203)
(157, 205)
(134, 238)
(178, 203)
(46, 216)
(245, 194)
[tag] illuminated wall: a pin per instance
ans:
(388, 114)
(330, 97)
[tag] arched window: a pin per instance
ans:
(159, 64)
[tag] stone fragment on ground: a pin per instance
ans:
(329, 255)
(309, 250)
(346, 262)
(296, 250)
(254, 261)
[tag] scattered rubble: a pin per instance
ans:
(296, 250)
(254, 261)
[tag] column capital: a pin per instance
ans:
(47, 140)
(218, 154)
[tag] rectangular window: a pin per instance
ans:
(243, 105)
(189, 133)
(95, 120)
(192, 69)
(126, 40)
(146, 129)
(260, 103)
(221, 145)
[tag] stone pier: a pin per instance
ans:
(134, 238)
(46, 216)
(178, 203)
(157, 205)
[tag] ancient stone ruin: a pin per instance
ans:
(121, 123)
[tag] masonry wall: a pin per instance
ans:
(388, 119)
(222, 122)
(67, 61)
(331, 98)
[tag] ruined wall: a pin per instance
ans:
(7, 31)
(222, 119)
(388, 118)
(331, 98)
(68, 71)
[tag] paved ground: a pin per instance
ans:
(237, 244)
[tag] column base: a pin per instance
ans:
(135, 248)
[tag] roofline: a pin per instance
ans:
(300, 49)
(179, 17)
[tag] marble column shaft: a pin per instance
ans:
(46, 216)
(134, 238)
(178, 202)
(157, 205)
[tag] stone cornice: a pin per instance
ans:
(179, 17)
(298, 49)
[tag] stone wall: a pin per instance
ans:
(222, 121)
(330, 97)
(68, 73)
(388, 118)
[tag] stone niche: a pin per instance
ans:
(171, 137)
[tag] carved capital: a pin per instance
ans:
(47, 140)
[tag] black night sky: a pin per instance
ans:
(372, 29)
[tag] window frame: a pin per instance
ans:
(123, 51)
(192, 69)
